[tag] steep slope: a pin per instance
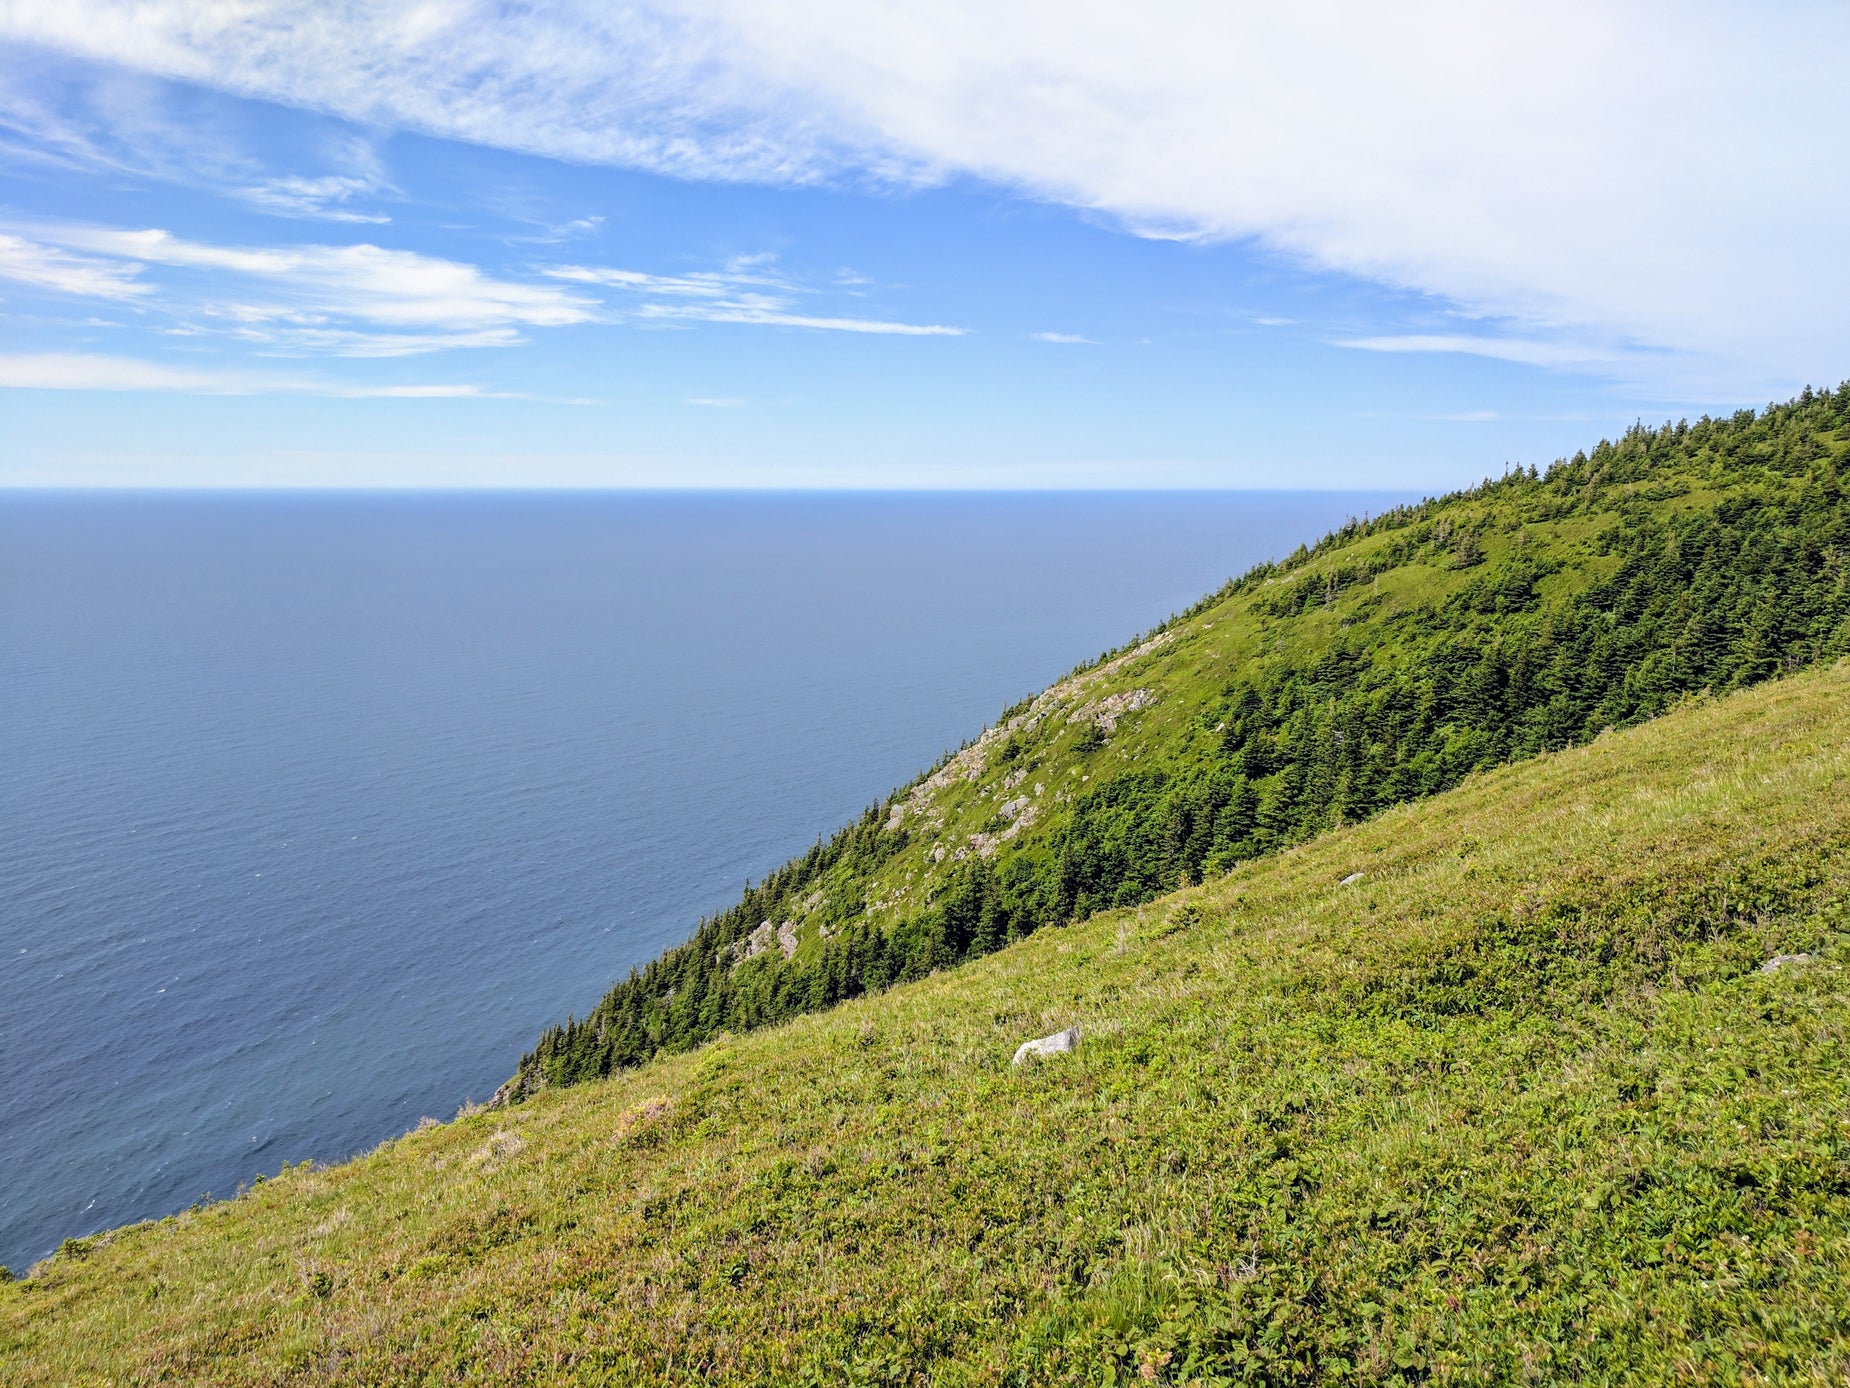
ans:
(1517, 1103)
(1389, 662)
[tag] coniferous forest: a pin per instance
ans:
(1389, 662)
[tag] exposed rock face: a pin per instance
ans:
(1104, 713)
(1058, 1044)
(969, 764)
(762, 938)
(1780, 961)
(1019, 813)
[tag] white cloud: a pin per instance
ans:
(278, 333)
(746, 291)
(370, 301)
(46, 267)
(93, 371)
(554, 235)
(82, 371)
(377, 285)
(1650, 173)
(700, 285)
(1067, 338)
(361, 301)
(425, 392)
(718, 402)
(771, 316)
(111, 121)
(324, 198)
(328, 197)
(1529, 353)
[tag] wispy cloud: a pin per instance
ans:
(371, 301)
(1529, 352)
(769, 314)
(126, 123)
(401, 288)
(329, 197)
(1514, 161)
(718, 402)
(563, 232)
(93, 371)
(361, 300)
(47, 267)
(701, 284)
(1073, 339)
(747, 291)
(324, 198)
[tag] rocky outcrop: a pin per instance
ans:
(969, 763)
(761, 939)
(1104, 713)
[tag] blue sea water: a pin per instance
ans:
(314, 809)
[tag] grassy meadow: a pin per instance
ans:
(1517, 1104)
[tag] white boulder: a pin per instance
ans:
(1058, 1044)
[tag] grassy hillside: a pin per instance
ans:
(1516, 1104)
(1391, 661)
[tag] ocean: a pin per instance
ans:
(316, 808)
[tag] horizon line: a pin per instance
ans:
(696, 489)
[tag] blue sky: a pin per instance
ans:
(465, 244)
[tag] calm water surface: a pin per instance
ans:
(315, 809)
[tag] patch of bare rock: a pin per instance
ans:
(761, 939)
(1781, 961)
(969, 763)
(1058, 1044)
(1104, 713)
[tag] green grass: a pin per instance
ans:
(1516, 1106)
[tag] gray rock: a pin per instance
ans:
(1351, 879)
(1057, 1044)
(1779, 961)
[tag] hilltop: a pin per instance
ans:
(1521, 1101)
(1386, 663)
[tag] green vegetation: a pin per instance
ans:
(1393, 660)
(1440, 1026)
(1517, 1105)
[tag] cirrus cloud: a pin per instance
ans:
(744, 292)
(372, 283)
(356, 300)
(1640, 184)
(99, 371)
(47, 267)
